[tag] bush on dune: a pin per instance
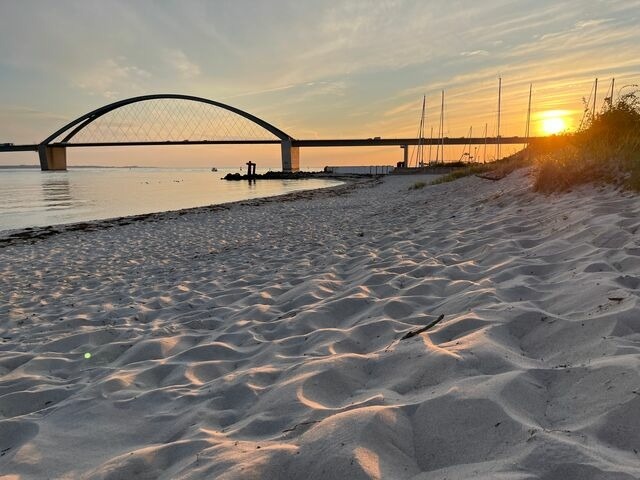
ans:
(497, 168)
(607, 149)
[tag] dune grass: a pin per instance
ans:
(498, 168)
(462, 172)
(606, 150)
(417, 186)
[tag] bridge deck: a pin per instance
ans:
(381, 142)
(18, 148)
(335, 142)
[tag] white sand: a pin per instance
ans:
(263, 341)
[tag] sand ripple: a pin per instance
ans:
(263, 340)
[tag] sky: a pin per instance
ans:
(313, 68)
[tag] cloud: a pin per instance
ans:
(296, 93)
(110, 77)
(178, 60)
(261, 91)
(591, 23)
(475, 53)
(11, 111)
(410, 106)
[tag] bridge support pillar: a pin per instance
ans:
(290, 157)
(405, 155)
(52, 158)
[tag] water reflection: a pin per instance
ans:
(56, 191)
(31, 198)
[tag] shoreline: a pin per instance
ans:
(471, 329)
(15, 236)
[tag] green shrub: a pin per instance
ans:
(607, 149)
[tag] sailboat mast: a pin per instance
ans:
(419, 147)
(499, 101)
(439, 135)
(527, 130)
(430, 142)
(595, 97)
(420, 159)
(484, 156)
(613, 81)
(586, 109)
(442, 126)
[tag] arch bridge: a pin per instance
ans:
(164, 119)
(173, 119)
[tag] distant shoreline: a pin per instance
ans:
(29, 167)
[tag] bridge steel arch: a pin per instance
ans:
(53, 154)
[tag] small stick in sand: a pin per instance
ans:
(413, 333)
(300, 425)
(491, 176)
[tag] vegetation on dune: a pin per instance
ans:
(417, 186)
(461, 172)
(607, 149)
(496, 169)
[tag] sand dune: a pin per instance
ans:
(263, 340)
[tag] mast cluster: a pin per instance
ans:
(418, 155)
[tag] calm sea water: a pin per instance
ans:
(30, 198)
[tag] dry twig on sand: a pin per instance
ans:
(413, 333)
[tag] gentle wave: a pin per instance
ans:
(31, 198)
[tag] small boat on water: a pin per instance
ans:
(214, 169)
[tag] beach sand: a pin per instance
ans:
(262, 340)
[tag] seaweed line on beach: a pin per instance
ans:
(34, 234)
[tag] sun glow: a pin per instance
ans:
(553, 122)
(551, 126)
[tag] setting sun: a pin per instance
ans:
(553, 122)
(554, 125)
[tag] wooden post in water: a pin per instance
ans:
(251, 170)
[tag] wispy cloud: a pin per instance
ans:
(179, 61)
(10, 111)
(110, 77)
(591, 23)
(475, 53)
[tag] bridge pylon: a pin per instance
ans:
(52, 158)
(290, 156)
